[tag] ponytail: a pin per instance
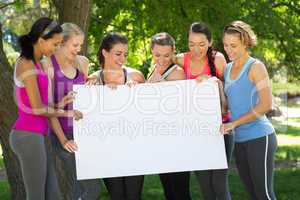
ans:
(211, 54)
(26, 47)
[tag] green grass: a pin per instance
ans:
(286, 129)
(295, 119)
(4, 190)
(286, 182)
(1, 162)
(288, 153)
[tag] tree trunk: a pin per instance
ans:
(8, 113)
(75, 11)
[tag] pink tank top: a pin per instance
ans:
(27, 121)
(206, 71)
(187, 69)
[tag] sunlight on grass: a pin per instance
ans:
(295, 119)
(1, 160)
(288, 153)
(288, 140)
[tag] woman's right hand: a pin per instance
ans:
(66, 100)
(76, 114)
(70, 146)
(112, 86)
(92, 80)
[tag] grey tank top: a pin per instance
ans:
(166, 73)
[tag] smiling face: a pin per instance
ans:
(233, 46)
(198, 44)
(72, 46)
(49, 46)
(162, 55)
(116, 56)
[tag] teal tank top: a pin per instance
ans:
(242, 96)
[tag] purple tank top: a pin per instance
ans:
(62, 85)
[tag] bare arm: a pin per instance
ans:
(220, 63)
(68, 145)
(177, 74)
(26, 73)
(137, 76)
(178, 59)
(83, 65)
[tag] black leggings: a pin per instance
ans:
(125, 188)
(36, 164)
(255, 163)
(176, 185)
(214, 183)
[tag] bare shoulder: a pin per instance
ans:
(82, 59)
(178, 69)
(258, 71)
(23, 65)
(135, 74)
(220, 62)
(219, 56)
(47, 66)
(179, 58)
(177, 74)
(83, 64)
(258, 66)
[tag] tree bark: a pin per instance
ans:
(8, 113)
(75, 11)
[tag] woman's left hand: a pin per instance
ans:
(227, 128)
(131, 83)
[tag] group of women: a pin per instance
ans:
(49, 65)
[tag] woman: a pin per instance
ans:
(249, 97)
(175, 185)
(112, 56)
(31, 126)
(201, 62)
(65, 68)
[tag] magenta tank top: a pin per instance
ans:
(27, 121)
(62, 85)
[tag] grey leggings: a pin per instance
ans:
(255, 163)
(36, 165)
(83, 189)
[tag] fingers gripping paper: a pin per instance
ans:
(148, 129)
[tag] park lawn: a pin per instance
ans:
(286, 187)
